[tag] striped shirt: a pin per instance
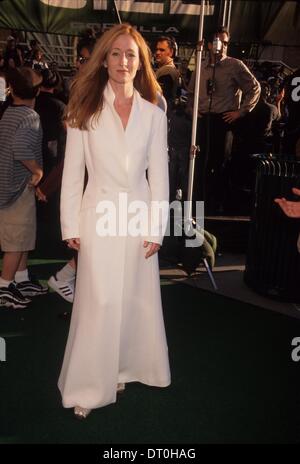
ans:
(20, 139)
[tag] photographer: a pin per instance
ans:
(224, 82)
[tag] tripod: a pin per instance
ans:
(189, 221)
(211, 87)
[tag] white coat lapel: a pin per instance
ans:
(127, 137)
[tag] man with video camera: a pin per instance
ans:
(228, 91)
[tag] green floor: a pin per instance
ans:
(233, 380)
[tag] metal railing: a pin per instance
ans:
(63, 55)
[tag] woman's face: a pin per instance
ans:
(123, 59)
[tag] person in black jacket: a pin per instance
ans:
(167, 74)
(51, 110)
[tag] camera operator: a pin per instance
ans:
(228, 91)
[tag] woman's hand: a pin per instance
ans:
(73, 243)
(152, 248)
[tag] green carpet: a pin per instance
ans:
(233, 380)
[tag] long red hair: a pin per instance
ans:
(86, 97)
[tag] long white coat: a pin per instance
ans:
(117, 331)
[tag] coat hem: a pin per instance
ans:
(67, 405)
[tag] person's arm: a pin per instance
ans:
(290, 208)
(36, 171)
(158, 179)
(51, 183)
(72, 184)
(27, 148)
(249, 86)
(279, 99)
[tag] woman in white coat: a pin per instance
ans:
(118, 133)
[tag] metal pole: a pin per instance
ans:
(117, 12)
(210, 274)
(229, 14)
(224, 13)
(194, 148)
(189, 225)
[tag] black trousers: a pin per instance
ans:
(214, 136)
(179, 144)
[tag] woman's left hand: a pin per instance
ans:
(152, 248)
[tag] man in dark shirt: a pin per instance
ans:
(167, 73)
(51, 110)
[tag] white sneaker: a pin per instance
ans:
(63, 288)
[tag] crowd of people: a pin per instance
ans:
(55, 135)
(241, 112)
(16, 55)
